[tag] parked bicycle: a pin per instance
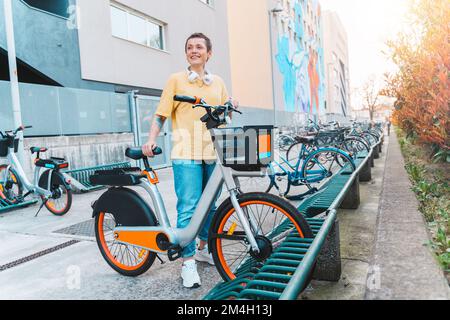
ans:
(308, 166)
(246, 227)
(51, 187)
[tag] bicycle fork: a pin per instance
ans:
(247, 224)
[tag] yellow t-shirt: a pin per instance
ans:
(191, 140)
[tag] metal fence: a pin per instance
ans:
(55, 111)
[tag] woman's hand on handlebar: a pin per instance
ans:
(147, 149)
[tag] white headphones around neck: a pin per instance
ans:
(194, 76)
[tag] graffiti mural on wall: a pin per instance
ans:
(300, 57)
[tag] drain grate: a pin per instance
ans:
(85, 228)
(37, 255)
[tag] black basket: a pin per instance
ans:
(6, 143)
(244, 149)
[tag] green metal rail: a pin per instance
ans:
(285, 274)
(80, 177)
(6, 207)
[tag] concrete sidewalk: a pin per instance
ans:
(403, 267)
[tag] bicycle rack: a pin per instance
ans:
(6, 207)
(286, 272)
(80, 177)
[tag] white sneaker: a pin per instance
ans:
(204, 256)
(189, 274)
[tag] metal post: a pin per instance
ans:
(14, 80)
(272, 70)
(132, 96)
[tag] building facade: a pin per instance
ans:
(114, 45)
(277, 56)
(337, 65)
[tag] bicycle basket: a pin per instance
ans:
(244, 149)
(4, 147)
(6, 143)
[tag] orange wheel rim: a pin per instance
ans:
(222, 260)
(51, 204)
(110, 255)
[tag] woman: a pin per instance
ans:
(193, 156)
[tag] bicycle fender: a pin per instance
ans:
(127, 206)
(57, 178)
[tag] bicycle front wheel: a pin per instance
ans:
(11, 186)
(272, 219)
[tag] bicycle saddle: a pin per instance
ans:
(136, 153)
(37, 149)
(307, 140)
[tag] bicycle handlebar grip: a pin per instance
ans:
(157, 151)
(188, 99)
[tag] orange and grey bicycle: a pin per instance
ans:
(247, 227)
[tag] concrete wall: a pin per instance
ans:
(81, 151)
(48, 44)
(110, 59)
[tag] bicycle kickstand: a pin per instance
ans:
(161, 260)
(41, 206)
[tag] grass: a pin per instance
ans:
(430, 180)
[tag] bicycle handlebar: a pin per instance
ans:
(213, 115)
(14, 132)
(188, 99)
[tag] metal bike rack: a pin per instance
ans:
(80, 177)
(287, 271)
(6, 207)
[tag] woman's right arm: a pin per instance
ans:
(158, 123)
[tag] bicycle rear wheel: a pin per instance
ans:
(274, 219)
(323, 164)
(123, 207)
(61, 200)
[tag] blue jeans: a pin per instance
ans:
(191, 178)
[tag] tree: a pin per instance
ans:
(422, 83)
(371, 96)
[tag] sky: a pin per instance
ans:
(369, 24)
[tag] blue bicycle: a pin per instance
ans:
(312, 167)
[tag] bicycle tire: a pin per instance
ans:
(116, 204)
(61, 201)
(13, 180)
(226, 214)
(317, 178)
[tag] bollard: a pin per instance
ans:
(380, 145)
(376, 152)
(365, 175)
(352, 198)
(328, 263)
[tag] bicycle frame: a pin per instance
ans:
(183, 236)
(292, 168)
(13, 162)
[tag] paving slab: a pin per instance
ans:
(405, 267)
(357, 234)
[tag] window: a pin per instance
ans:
(139, 29)
(58, 7)
(119, 23)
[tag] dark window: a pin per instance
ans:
(58, 7)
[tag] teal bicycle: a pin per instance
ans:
(311, 167)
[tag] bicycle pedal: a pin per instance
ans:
(174, 252)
